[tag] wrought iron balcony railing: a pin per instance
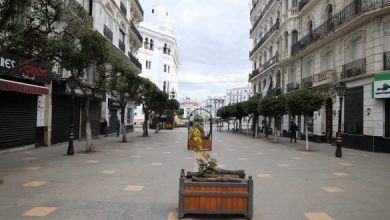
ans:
(355, 68)
(302, 4)
(123, 8)
(271, 61)
(273, 29)
(292, 86)
(122, 46)
(307, 82)
(254, 74)
(386, 60)
(139, 7)
(269, 4)
(134, 60)
(343, 16)
(135, 30)
(107, 33)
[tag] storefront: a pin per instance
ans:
(22, 97)
(114, 108)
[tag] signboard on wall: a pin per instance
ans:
(381, 86)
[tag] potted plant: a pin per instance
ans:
(211, 190)
(205, 141)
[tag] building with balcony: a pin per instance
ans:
(188, 105)
(159, 54)
(317, 43)
(212, 104)
(239, 94)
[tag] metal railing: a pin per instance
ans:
(139, 7)
(135, 30)
(269, 4)
(107, 33)
(271, 61)
(355, 68)
(254, 74)
(386, 60)
(307, 82)
(343, 16)
(122, 46)
(123, 8)
(292, 86)
(265, 37)
(134, 60)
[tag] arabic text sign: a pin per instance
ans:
(381, 89)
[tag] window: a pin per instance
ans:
(146, 43)
(295, 3)
(286, 4)
(151, 44)
(129, 115)
(165, 49)
(286, 40)
(148, 64)
(169, 69)
(309, 68)
(294, 37)
(164, 86)
(108, 21)
(121, 35)
(291, 76)
(327, 61)
(165, 68)
(329, 11)
(357, 49)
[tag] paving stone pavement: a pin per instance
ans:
(139, 179)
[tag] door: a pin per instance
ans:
(61, 118)
(112, 121)
(329, 120)
(387, 118)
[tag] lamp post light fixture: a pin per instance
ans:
(340, 90)
(72, 83)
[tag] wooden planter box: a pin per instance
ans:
(206, 145)
(215, 197)
(169, 126)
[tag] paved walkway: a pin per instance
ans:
(139, 179)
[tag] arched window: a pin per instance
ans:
(329, 11)
(146, 43)
(294, 37)
(165, 49)
(151, 44)
(310, 26)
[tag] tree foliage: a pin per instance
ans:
(304, 102)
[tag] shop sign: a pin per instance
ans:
(113, 104)
(33, 71)
(381, 86)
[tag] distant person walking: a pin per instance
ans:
(266, 130)
(104, 127)
(293, 130)
(118, 126)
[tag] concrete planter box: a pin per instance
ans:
(215, 197)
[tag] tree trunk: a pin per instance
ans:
(275, 129)
(88, 132)
(228, 124)
(240, 124)
(145, 125)
(306, 134)
(124, 138)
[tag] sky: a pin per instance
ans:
(213, 41)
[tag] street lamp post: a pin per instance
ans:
(340, 90)
(72, 85)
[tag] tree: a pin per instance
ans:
(146, 95)
(159, 106)
(273, 106)
(304, 102)
(172, 107)
(120, 85)
(82, 49)
(239, 111)
(27, 28)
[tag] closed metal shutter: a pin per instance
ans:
(18, 115)
(112, 121)
(61, 116)
(353, 111)
(387, 118)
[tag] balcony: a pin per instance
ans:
(355, 68)
(386, 60)
(254, 73)
(268, 6)
(122, 46)
(253, 8)
(324, 78)
(345, 15)
(139, 7)
(271, 62)
(307, 82)
(123, 8)
(134, 60)
(107, 33)
(292, 86)
(265, 37)
(302, 4)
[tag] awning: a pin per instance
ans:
(13, 86)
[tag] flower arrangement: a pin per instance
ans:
(207, 164)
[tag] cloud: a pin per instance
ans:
(213, 38)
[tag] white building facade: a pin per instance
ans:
(311, 44)
(212, 104)
(159, 54)
(239, 94)
(188, 105)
